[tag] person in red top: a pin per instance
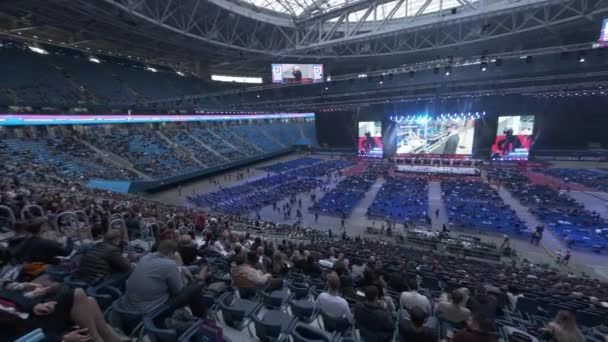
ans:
(200, 221)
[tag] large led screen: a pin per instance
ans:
(424, 135)
(370, 139)
(297, 73)
(513, 137)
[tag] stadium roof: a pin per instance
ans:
(242, 37)
(409, 8)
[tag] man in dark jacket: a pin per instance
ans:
(104, 260)
(375, 323)
(413, 329)
(451, 144)
(36, 249)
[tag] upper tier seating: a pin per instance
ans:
(62, 80)
(29, 78)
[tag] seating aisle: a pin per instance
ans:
(436, 202)
(357, 226)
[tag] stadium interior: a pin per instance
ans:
(304, 170)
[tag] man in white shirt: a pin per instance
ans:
(331, 302)
(411, 299)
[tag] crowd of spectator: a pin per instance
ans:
(401, 200)
(170, 151)
(475, 204)
(568, 219)
(591, 178)
(371, 286)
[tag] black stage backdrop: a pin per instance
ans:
(561, 123)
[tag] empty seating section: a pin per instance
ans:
(341, 200)
(101, 82)
(592, 178)
(567, 218)
(183, 138)
(253, 134)
(287, 134)
(309, 131)
(291, 164)
(216, 144)
(31, 80)
(57, 79)
(237, 141)
(401, 200)
(476, 205)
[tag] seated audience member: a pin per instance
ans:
(413, 329)
(55, 310)
(346, 281)
(373, 318)
(412, 298)
(384, 300)
(35, 248)
(397, 280)
(297, 260)
(187, 249)
(563, 328)
(513, 294)
(238, 250)
(479, 329)
(262, 261)
(157, 280)
(330, 302)
(279, 266)
(483, 304)
(245, 276)
(103, 260)
(311, 267)
(454, 310)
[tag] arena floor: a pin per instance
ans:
(592, 264)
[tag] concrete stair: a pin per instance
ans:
(115, 159)
(269, 136)
(180, 149)
(211, 150)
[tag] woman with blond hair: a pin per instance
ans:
(563, 328)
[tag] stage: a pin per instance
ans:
(438, 170)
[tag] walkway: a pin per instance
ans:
(581, 261)
(436, 202)
(593, 201)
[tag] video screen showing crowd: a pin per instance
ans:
(297, 73)
(370, 139)
(513, 138)
(443, 135)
